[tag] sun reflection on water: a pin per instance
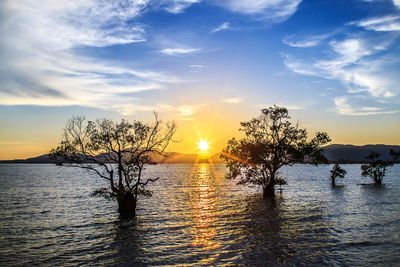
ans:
(203, 202)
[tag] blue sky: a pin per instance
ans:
(334, 64)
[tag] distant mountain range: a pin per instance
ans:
(350, 153)
(334, 153)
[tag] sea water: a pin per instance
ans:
(196, 217)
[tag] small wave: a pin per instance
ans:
(363, 243)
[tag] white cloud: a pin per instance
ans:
(348, 51)
(344, 108)
(275, 10)
(197, 66)
(304, 41)
(363, 65)
(178, 51)
(235, 100)
(223, 26)
(41, 66)
(62, 25)
(178, 6)
(384, 24)
(352, 66)
(299, 66)
(185, 112)
(349, 62)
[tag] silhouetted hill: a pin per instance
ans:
(40, 159)
(351, 153)
(334, 153)
(173, 158)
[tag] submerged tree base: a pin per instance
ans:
(127, 206)
(269, 191)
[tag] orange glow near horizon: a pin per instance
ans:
(215, 125)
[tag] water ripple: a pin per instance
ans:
(196, 217)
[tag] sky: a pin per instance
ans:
(205, 64)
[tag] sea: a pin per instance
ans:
(198, 217)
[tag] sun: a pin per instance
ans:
(203, 145)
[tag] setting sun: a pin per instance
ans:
(203, 145)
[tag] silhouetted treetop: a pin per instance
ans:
(376, 169)
(271, 141)
(117, 152)
(337, 172)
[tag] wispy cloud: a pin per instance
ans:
(360, 62)
(304, 40)
(197, 66)
(183, 111)
(70, 24)
(299, 66)
(277, 10)
(186, 112)
(179, 51)
(343, 107)
(234, 100)
(384, 24)
(42, 66)
(349, 61)
(178, 6)
(223, 26)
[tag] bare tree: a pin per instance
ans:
(271, 142)
(117, 152)
(337, 172)
(376, 169)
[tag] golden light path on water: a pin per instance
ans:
(203, 202)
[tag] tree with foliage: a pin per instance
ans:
(337, 172)
(117, 152)
(271, 141)
(376, 168)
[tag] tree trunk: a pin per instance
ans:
(333, 182)
(127, 206)
(269, 190)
